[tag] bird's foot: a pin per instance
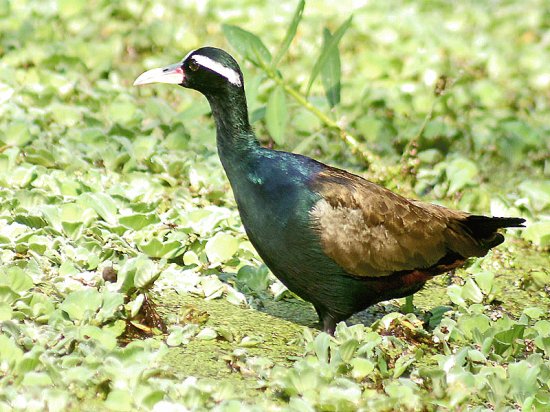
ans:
(408, 307)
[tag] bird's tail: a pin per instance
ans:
(484, 228)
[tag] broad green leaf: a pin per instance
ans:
(331, 71)
(7, 295)
(321, 346)
(6, 92)
(41, 307)
(485, 280)
(534, 312)
(179, 335)
(111, 304)
(76, 213)
(136, 305)
(121, 110)
(247, 45)
(17, 134)
(138, 221)
(538, 233)
(10, 352)
(538, 193)
(103, 204)
(146, 273)
(106, 339)
(212, 287)
(455, 294)
(523, 378)
(276, 115)
(347, 349)
(69, 8)
(33, 379)
(6, 312)
(326, 52)
(250, 341)
(221, 247)
(461, 173)
(16, 279)
(66, 115)
(361, 368)
(290, 33)
(81, 304)
(233, 296)
(23, 175)
(158, 249)
(402, 364)
(207, 334)
(256, 278)
(119, 400)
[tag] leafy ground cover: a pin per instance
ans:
(114, 206)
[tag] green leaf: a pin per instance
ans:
(16, 279)
(326, 52)
(103, 204)
(538, 193)
(6, 312)
(68, 8)
(212, 287)
(402, 364)
(485, 280)
(138, 221)
(348, 348)
(33, 379)
(538, 233)
(207, 334)
(81, 304)
(331, 71)
(523, 378)
(17, 134)
(111, 304)
(321, 346)
(7, 295)
(461, 173)
(119, 400)
(221, 247)
(122, 109)
(256, 278)
(290, 33)
(158, 249)
(247, 45)
(276, 115)
(361, 368)
(146, 273)
(106, 339)
(9, 350)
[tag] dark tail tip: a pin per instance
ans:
(484, 228)
(494, 223)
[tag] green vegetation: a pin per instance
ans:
(113, 203)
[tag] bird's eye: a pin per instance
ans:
(193, 65)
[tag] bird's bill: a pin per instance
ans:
(172, 74)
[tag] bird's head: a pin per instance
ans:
(207, 70)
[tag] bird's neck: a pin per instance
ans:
(235, 137)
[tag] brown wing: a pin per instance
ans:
(370, 231)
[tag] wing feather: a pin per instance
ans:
(370, 231)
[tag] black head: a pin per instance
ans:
(208, 70)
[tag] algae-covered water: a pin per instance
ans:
(277, 326)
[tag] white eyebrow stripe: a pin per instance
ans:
(231, 75)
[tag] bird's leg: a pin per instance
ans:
(326, 320)
(329, 324)
(408, 307)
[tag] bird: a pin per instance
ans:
(331, 237)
